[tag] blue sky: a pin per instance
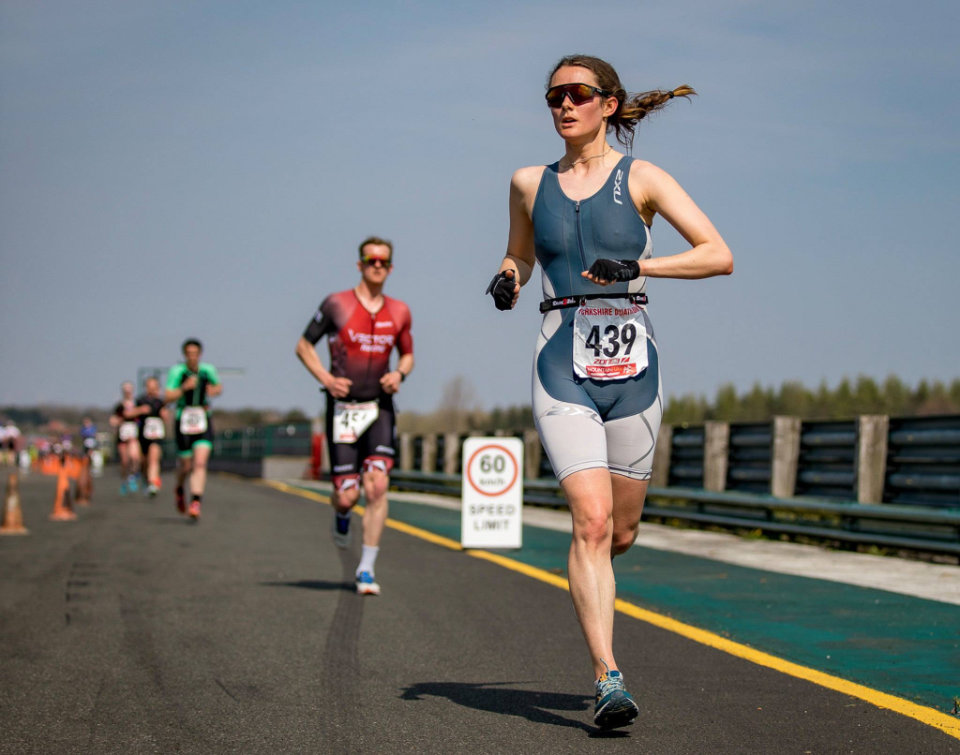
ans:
(174, 169)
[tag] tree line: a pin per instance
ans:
(458, 411)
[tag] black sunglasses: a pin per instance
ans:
(578, 94)
(376, 261)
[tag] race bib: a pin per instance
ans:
(609, 340)
(193, 420)
(127, 431)
(153, 428)
(350, 421)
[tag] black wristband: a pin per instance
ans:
(403, 375)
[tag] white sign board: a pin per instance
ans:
(492, 493)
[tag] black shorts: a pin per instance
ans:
(146, 443)
(379, 441)
(185, 443)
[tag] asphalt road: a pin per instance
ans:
(132, 630)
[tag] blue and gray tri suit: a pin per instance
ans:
(586, 423)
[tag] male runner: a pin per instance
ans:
(362, 327)
(191, 384)
(151, 416)
(128, 449)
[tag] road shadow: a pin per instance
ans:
(313, 584)
(496, 697)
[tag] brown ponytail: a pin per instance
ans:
(630, 109)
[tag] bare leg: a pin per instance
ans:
(344, 500)
(153, 462)
(628, 499)
(183, 469)
(133, 449)
(590, 495)
(198, 477)
(606, 512)
(123, 451)
(375, 484)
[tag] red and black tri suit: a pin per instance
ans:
(361, 343)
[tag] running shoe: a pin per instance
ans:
(132, 484)
(341, 530)
(366, 584)
(615, 707)
(123, 488)
(152, 490)
(181, 504)
(194, 510)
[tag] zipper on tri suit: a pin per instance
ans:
(583, 258)
(373, 330)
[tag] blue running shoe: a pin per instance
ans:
(132, 483)
(341, 530)
(615, 707)
(366, 584)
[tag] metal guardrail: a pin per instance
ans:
(827, 467)
(921, 479)
(686, 456)
(748, 462)
(906, 527)
(923, 461)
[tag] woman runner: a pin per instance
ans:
(596, 376)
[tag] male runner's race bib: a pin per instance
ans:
(193, 420)
(127, 431)
(350, 421)
(153, 428)
(609, 340)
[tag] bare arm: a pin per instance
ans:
(708, 255)
(307, 354)
(520, 257)
(655, 191)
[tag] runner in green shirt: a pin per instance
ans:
(191, 384)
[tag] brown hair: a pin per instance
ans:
(379, 241)
(630, 108)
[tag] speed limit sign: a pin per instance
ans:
(492, 493)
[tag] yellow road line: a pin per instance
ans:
(929, 716)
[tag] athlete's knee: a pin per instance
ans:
(623, 539)
(593, 528)
(376, 477)
(346, 492)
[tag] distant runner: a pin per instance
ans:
(151, 417)
(191, 384)
(88, 436)
(128, 447)
(362, 327)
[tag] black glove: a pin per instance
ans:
(615, 270)
(501, 288)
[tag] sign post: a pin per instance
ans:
(492, 514)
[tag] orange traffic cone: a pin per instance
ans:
(62, 508)
(12, 515)
(84, 483)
